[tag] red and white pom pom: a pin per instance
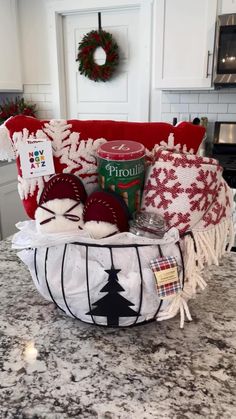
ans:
(61, 205)
(105, 214)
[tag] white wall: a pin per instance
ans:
(35, 55)
(34, 41)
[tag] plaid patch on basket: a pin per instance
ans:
(166, 274)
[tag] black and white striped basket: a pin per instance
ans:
(105, 282)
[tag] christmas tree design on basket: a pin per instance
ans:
(113, 305)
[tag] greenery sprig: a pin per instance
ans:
(16, 106)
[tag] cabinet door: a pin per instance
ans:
(11, 209)
(10, 69)
(227, 6)
(185, 31)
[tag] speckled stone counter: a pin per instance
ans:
(54, 367)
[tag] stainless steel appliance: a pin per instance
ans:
(224, 68)
(224, 150)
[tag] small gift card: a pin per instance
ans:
(36, 159)
(166, 274)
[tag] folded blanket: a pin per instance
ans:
(191, 194)
(188, 190)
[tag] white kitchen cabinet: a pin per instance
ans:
(227, 6)
(11, 208)
(10, 67)
(184, 43)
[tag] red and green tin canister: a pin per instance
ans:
(121, 167)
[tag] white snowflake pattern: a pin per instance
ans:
(27, 187)
(76, 156)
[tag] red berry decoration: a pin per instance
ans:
(87, 66)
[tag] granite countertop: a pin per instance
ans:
(5, 163)
(54, 367)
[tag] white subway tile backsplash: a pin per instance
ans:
(189, 98)
(208, 98)
(179, 107)
(48, 98)
(198, 107)
(44, 106)
(197, 91)
(30, 88)
(45, 88)
(170, 97)
(27, 97)
(227, 97)
(166, 107)
(38, 97)
(217, 108)
(184, 117)
(232, 108)
(226, 117)
(187, 105)
(168, 117)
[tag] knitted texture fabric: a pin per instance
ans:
(190, 193)
(187, 190)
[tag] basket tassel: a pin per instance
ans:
(178, 304)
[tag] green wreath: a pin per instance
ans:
(87, 66)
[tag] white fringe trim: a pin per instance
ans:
(6, 147)
(177, 304)
(211, 244)
(170, 145)
(210, 247)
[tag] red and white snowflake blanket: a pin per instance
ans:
(191, 194)
(188, 190)
(75, 142)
